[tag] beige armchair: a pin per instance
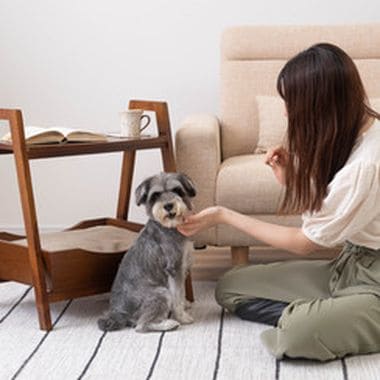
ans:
(220, 154)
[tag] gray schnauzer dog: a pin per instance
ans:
(149, 285)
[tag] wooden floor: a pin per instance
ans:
(210, 263)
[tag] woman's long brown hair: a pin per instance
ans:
(327, 106)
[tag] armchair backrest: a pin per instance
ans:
(252, 57)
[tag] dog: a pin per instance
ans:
(149, 284)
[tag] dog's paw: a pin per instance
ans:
(166, 325)
(108, 324)
(113, 321)
(184, 318)
(188, 305)
(169, 324)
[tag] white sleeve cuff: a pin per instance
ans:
(313, 236)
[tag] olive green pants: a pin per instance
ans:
(334, 305)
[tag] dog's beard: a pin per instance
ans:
(172, 218)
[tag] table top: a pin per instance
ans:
(113, 144)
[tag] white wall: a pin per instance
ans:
(77, 62)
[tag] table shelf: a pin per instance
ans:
(34, 151)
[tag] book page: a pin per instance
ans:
(82, 135)
(56, 134)
(64, 131)
(30, 132)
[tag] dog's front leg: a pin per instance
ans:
(187, 304)
(186, 266)
(178, 292)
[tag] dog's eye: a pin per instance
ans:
(178, 191)
(154, 196)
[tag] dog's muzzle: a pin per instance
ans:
(170, 214)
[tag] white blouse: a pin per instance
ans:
(351, 209)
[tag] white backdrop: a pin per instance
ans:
(77, 62)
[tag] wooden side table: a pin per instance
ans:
(70, 273)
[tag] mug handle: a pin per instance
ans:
(147, 122)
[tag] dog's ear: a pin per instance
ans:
(141, 193)
(187, 184)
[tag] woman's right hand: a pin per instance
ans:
(205, 219)
(277, 158)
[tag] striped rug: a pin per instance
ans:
(217, 346)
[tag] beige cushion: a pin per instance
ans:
(247, 185)
(272, 122)
(375, 104)
(101, 239)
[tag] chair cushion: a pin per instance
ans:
(247, 185)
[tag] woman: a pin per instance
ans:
(330, 166)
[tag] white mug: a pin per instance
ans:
(130, 122)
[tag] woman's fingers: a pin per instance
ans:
(276, 156)
(191, 219)
(272, 153)
(186, 230)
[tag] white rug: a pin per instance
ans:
(217, 346)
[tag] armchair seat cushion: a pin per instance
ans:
(247, 185)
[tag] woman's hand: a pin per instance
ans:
(205, 219)
(277, 158)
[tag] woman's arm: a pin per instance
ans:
(288, 238)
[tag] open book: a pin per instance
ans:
(40, 135)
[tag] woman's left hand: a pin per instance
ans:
(205, 219)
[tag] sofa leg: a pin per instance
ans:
(199, 245)
(239, 255)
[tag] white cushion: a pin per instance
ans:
(272, 122)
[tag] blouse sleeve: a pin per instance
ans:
(353, 201)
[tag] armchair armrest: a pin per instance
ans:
(198, 154)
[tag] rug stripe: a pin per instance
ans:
(97, 347)
(219, 350)
(156, 356)
(277, 371)
(2, 319)
(40, 342)
(344, 368)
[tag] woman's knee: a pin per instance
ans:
(239, 285)
(223, 295)
(227, 292)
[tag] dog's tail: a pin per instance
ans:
(113, 321)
